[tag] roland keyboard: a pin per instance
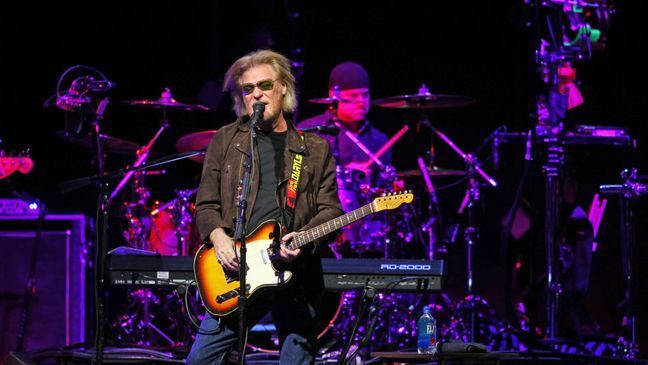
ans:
(380, 274)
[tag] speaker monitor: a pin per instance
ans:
(57, 314)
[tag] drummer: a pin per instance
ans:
(349, 82)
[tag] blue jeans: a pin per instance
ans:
(294, 315)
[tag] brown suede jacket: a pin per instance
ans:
(220, 185)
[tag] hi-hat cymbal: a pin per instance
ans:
(166, 101)
(424, 101)
(329, 101)
(435, 171)
(111, 144)
(195, 142)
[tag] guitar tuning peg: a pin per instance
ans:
(383, 195)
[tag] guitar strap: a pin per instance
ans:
(291, 188)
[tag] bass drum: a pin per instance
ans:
(167, 239)
(263, 336)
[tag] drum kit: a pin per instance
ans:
(168, 229)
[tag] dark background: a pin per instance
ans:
(478, 49)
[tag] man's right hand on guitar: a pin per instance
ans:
(224, 249)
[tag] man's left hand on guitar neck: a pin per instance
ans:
(286, 254)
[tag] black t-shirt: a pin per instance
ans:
(271, 148)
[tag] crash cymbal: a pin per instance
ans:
(111, 144)
(436, 171)
(328, 101)
(166, 101)
(424, 101)
(195, 142)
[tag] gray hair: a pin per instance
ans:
(281, 66)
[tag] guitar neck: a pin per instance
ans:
(333, 225)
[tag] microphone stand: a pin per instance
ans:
(78, 183)
(239, 235)
(101, 233)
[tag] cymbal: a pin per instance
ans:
(166, 101)
(435, 171)
(424, 101)
(162, 103)
(328, 101)
(111, 144)
(195, 142)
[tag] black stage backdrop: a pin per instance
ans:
(478, 49)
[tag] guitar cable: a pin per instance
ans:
(183, 290)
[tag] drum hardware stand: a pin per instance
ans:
(628, 192)
(471, 233)
(434, 221)
(143, 156)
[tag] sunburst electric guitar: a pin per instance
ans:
(219, 288)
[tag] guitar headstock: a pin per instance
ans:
(8, 165)
(392, 200)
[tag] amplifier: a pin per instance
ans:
(57, 315)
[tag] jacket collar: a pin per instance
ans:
(293, 140)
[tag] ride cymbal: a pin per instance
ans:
(424, 101)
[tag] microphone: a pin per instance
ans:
(323, 129)
(257, 114)
(78, 94)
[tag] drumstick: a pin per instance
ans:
(391, 141)
(387, 145)
(359, 144)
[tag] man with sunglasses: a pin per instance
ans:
(349, 86)
(264, 76)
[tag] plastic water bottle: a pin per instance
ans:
(426, 343)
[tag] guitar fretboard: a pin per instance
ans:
(330, 226)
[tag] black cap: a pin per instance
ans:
(348, 75)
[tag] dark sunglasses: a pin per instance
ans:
(263, 85)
